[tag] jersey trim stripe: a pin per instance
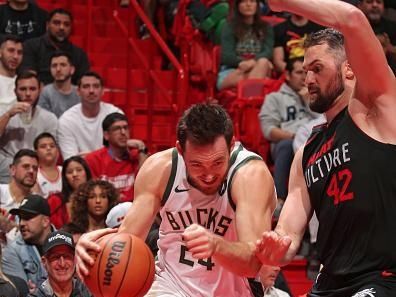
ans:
(244, 162)
(235, 155)
(172, 177)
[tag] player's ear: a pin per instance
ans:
(349, 72)
(232, 144)
(179, 147)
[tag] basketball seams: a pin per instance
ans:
(151, 265)
(138, 256)
(127, 262)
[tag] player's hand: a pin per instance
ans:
(200, 242)
(272, 247)
(18, 108)
(86, 245)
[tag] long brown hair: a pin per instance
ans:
(241, 28)
(79, 207)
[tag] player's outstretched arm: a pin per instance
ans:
(149, 187)
(278, 248)
(364, 51)
(254, 196)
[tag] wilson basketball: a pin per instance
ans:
(123, 268)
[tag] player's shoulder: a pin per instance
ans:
(158, 163)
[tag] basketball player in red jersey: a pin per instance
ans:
(345, 172)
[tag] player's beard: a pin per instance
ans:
(324, 100)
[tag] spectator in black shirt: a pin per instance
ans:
(289, 38)
(383, 28)
(23, 19)
(38, 51)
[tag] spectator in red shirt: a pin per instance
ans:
(120, 158)
(75, 172)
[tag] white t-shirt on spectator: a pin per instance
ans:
(48, 186)
(7, 93)
(77, 133)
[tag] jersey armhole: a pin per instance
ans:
(172, 177)
(244, 162)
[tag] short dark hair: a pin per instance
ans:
(24, 153)
(90, 74)
(333, 38)
(41, 136)
(290, 63)
(9, 37)
(59, 11)
(26, 74)
(109, 120)
(58, 53)
(202, 123)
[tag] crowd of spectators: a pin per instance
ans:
(66, 157)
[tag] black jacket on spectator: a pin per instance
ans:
(37, 53)
(7, 290)
(25, 24)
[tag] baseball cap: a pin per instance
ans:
(117, 214)
(33, 204)
(57, 238)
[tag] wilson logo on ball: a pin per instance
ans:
(114, 259)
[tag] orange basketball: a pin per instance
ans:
(123, 268)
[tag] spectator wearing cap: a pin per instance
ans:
(22, 257)
(120, 158)
(58, 259)
(79, 130)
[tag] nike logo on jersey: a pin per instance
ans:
(177, 190)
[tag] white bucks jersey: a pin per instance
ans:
(184, 205)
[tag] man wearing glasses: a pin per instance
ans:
(58, 260)
(120, 158)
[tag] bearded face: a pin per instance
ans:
(321, 99)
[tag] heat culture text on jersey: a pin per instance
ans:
(325, 159)
(206, 217)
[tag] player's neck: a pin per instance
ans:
(339, 104)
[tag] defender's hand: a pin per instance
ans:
(271, 248)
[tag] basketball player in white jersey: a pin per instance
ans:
(215, 199)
